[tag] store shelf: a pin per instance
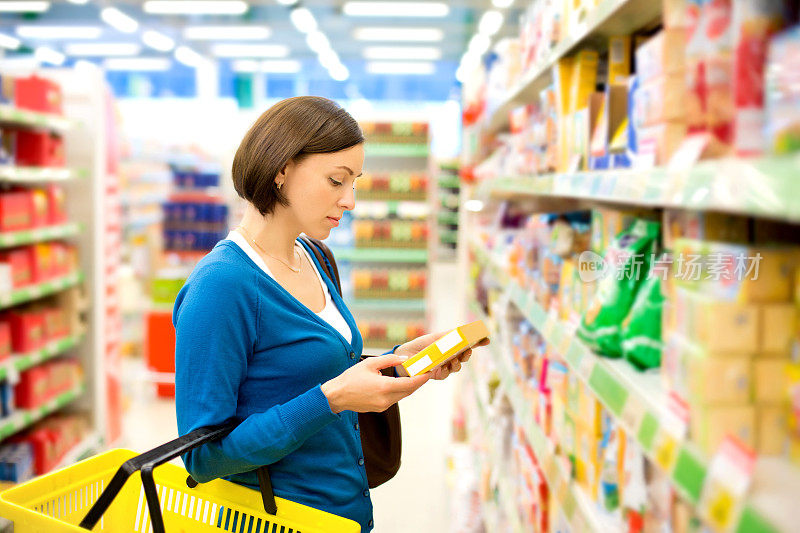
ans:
(34, 292)
(381, 255)
(144, 221)
(397, 150)
(409, 305)
(448, 236)
(449, 218)
(449, 182)
(570, 498)
(24, 361)
(765, 187)
(14, 174)
(22, 117)
(610, 17)
(637, 401)
(87, 447)
(18, 238)
(24, 418)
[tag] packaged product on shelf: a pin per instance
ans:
(641, 329)
(793, 400)
(7, 148)
(446, 348)
(719, 71)
(38, 94)
(711, 425)
(662, 56)
(772, 434)
(7, 406)
(16, 210)
(703, 225)
(628, 260)
(696, 86)
(619, 59)
(39, 149)
(660, 100)
(755, 22)
(16, 462)
(782, 93)
(657, 143)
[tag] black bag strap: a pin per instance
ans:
(147, 461)
(325, 258)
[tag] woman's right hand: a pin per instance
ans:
(362, 388)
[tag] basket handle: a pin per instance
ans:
(147, 461)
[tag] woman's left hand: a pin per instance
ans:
(412, 347)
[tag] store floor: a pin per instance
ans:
(421, 482)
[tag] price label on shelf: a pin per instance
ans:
(671, 433)
(633, 414)
(729, 476)
(586, 366)
(549, 325)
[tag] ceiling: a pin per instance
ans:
(458, 26)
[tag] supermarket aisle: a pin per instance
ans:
(426, 417)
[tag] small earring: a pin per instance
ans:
(280, 185)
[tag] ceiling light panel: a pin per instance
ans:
(249, 50)
(48, 55)
(400, 67)
(119, 20)
(502, 4)
(226, 33)
(317, 41)
(398, 34)
(490, 23)
(189, 57)
(158, 41)
(7, 41)
(403, 52)
(58, 32)
(303, 20)
(139, 64)
(396, 9)
(102, 49)
(24, 7)
(199, 7)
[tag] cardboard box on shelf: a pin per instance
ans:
(660, 100)
(619, 59)
(773, 431)
(778, 329)
(710, 425)
(715, 326)
(662, 55)
(770, 381)
(714, 379)
(701, 225)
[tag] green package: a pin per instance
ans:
(641, 330)
(627, 260)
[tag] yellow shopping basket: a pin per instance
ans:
(93, 494)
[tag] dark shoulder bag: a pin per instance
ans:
(381, 438)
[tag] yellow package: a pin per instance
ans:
(773, 436)
(777, 329)
(445, 349)
(619, 59)
(710, 425)
(770, 383)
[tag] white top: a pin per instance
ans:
(330, 313)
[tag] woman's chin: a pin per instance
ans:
(319, 234)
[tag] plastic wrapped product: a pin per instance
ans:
(641, 329)
(628, 261)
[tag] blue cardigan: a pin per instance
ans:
(246, 349)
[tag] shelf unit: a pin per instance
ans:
(763, 187)
(447, 185)
(410, 305)
(609, 17)
(637, 402)
(89, 184)
(381, 255)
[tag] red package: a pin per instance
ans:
(38, 94)
(39, 149)
(20, 262)
(38, 199)
(755, 22)
(696, 91)
(15, 210)
(42, 263)
(5, 339)
(56, 205)
(719, 69)
(33, 387)
(27, 330)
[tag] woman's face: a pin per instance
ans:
(320, 188)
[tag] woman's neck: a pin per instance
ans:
(272, 232)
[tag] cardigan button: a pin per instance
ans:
(356, 426)
(352, 355)
(360, 461)
(371, 523)
(366, 493)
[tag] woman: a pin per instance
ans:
(264, 337)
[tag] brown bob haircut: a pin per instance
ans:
(289, 131)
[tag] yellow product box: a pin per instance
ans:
(714, 326)
(590, 411)
(619, 59)
(444, 349)
(773, 432)
(736, 273)
(662, 54)
(658, 143)
(714, 380)
(584, 78)
(777, 329)
(587, 459)
(710, 425)
(680, 224)
(771, 383)
(660, 100)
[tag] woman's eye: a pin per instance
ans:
(335, 183)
